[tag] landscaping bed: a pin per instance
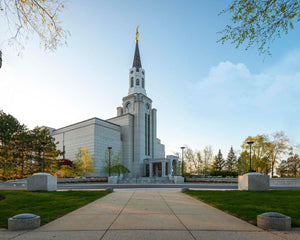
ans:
(47, 205)
(212, 180)
(82, 180)
(248, 204)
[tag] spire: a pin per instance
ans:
(137, 60)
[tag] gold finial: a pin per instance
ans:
(137, 33)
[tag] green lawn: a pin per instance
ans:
(47, 205)
(247, 205)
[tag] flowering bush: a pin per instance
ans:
(212, 180)
(82, 180)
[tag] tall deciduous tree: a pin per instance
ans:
(84, 162)
(261, 152)
(255, 22)
(207, 158)
(231, 161)
(279, 147)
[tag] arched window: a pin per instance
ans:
(137, 82)
(143, 83)
(131, 82)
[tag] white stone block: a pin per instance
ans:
(42, 182)
(254, 182)
(113, 179)
(178, 180)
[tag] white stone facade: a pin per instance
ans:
(132, 133)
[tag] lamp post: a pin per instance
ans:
(109, 148)
(182, 148)
(250, 143)
(43, 144)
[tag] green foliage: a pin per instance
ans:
(218, 163)
(248, 204)
(224, 173)
(231, 161)
(47, 205)
(259, 22)
(21, 150)
(115, 164)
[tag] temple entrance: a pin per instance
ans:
(174, 167)
(157, 169)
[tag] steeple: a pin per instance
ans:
(137, 73)
(137, 59)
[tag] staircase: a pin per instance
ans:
(145, 180)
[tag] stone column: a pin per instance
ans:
(150, 169)
(163, 169)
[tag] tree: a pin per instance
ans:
(198, 162)
(261, 152)
(21, 149)
(189, 160)
(218, 163)
(208, 158)
(278, 147)
(231, 161)
(84, 162)
(293, 163)
(115, 164)
(42, 17)
(259, 22)
(243, 162)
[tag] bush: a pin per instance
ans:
(224, 173)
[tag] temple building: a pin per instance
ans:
(131, 135)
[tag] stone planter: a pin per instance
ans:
(273, 220)
(24, 221)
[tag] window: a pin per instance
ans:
(131, 82)
(137, 82)
(131, 72)
(147, 134)
(128, 105)
(143, 83)
(147, 106)
(143, 72)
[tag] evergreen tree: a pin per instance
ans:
(218, 163)
(231, 161)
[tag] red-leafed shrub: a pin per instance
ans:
(65, 162)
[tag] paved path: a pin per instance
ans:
(147, 214)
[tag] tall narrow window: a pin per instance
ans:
(147, 134)
(137, 82)
(131, 82)
(143, 83)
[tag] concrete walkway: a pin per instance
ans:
(148, 214)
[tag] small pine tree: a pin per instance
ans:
(219, 161)
(231, 161)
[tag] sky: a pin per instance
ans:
(206, 93)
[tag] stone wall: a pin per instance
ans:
(288, 182)
(94, 134)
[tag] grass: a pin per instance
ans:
(247, 205)
(47, 205)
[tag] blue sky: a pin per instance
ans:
(206, 93)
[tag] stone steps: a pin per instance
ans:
(145, 180)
